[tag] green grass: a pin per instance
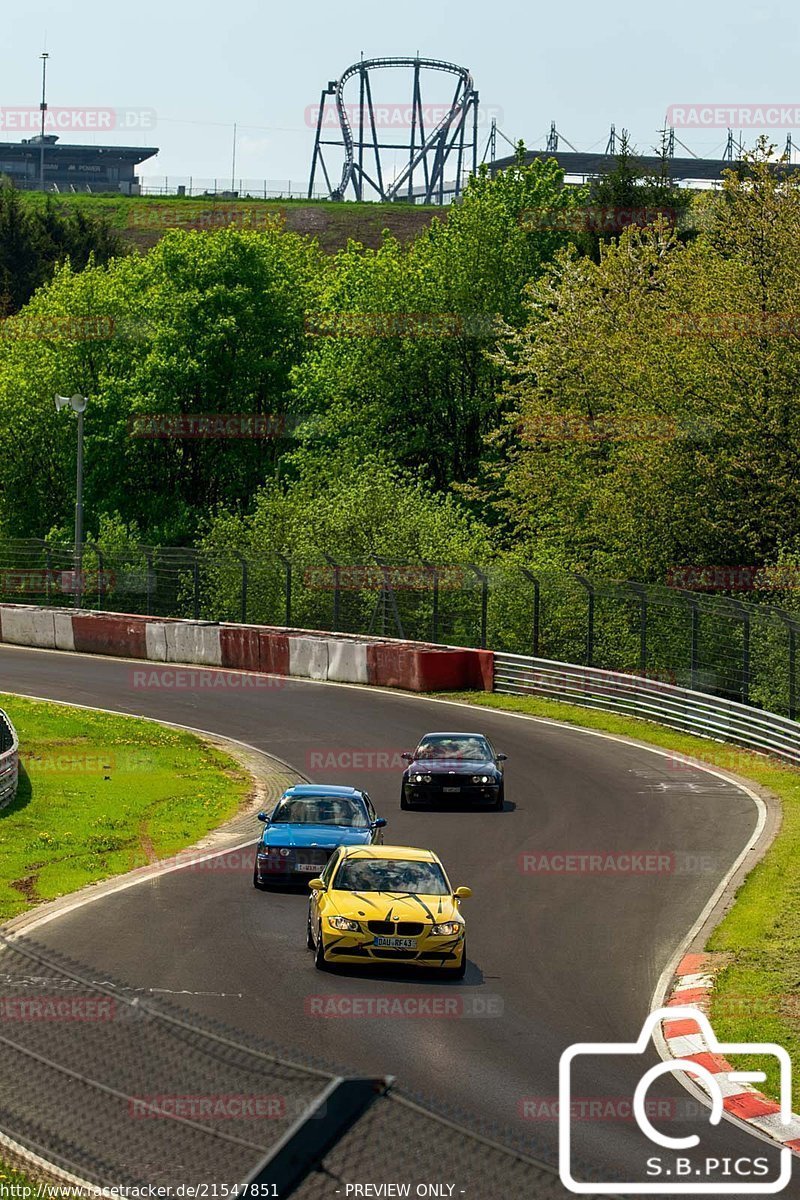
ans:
(757, 994)
(142, 220)
(99, 795)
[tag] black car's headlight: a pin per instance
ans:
(483, 779)
(422, 779)
(446, 929)
(343, 924)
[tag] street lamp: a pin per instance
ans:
(78, 405)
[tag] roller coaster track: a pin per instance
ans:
(428, 151)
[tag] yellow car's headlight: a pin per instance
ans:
(344, 925)
(446, 929)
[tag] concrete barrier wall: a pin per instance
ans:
(347, 662)
(308, 657)
(155, 641)
(192, 642)
(26, 625)
(98, 633)
(240, 647)
(272, 650)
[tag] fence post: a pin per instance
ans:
(435, 616)
(196, 580)
(337, 592)
(484, 578)
(536, 603)
(100, 568)
(743, 613)
(589, 617)
(149, 584)
(695, 644)
(48, 566)
(639, 590)
(243, 561)
(287, 564)
(791, 629)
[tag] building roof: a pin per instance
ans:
(66, 150)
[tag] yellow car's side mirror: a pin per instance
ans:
(316, 885)
(462, 893)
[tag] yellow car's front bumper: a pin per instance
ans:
(363, 947)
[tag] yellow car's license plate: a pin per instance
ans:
(390, 943)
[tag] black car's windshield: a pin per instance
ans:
(321, 810)
(391, 875)
(468, 749)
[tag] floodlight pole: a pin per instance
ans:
(43, 107)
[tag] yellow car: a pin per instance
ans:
(387, 904)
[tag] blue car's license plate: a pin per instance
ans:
(391, 943)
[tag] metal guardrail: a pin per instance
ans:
(9, 760)
(651, 699)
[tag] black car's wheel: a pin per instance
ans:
(404, 803)
(501, 797)
(320, 962)
(309, 935)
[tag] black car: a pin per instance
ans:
(453, 766)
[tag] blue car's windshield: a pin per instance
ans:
(468, 749)
(321, 810)
(391, 875)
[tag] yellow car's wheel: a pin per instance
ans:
(460, 971)
(320, 961)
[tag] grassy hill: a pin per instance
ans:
(143, 219)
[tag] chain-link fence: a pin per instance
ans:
(135, 1092)
(726, 646)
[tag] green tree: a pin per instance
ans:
(401, 358)
(652, 415)
(204, 324)
(35, 240)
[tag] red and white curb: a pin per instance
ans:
(693, 986)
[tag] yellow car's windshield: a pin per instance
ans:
(391, 875)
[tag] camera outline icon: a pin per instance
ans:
(669, 1067)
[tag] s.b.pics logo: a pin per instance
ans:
(687, 1152)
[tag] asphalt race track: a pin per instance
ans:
(556, 957)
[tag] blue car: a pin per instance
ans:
(306, 826)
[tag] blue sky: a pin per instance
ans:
(203, 65)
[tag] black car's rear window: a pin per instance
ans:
(321, 810)
(467, 749)
(391, 875)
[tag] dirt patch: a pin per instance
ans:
(27, 888)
